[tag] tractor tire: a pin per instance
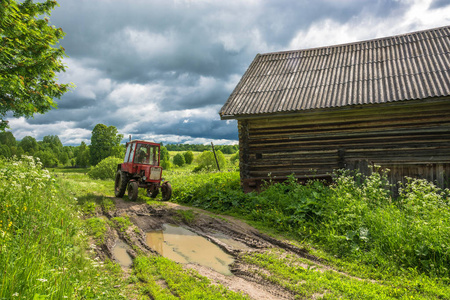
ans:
(153, 194)
(133, 190)
(120, 184)
(166, 190)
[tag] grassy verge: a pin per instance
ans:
(356, 220)
(313, 281)
(44, 252)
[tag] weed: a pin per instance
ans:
(122, 223)
(97, 228)
(184, 284)
(187, 216)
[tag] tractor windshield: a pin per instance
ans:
(146, 154)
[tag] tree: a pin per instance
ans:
(63, 158)
(29, 59)
(29, 145)
(53, 141)
(104, 142)
(47, 158)
(5, 151)
(8, 139)
(188, 157)
(82, 159)
(178, 160)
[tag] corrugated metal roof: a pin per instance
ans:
(404, 67)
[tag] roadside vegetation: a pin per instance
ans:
(44, 253)
(369, 244)
(355, 223)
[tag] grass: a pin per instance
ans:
(184, 284)
(44, 252)
(391, 248)
(356, 223)
(310, 280)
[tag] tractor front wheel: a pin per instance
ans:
(166, 191)
(153, 194)
(133, 190)
(120, 184)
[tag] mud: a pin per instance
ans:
(232, 236)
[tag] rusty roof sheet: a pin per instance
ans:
(404, 67)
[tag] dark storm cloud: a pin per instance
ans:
(163, 69)
(439, 3)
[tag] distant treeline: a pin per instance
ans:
(105, 142)
(226, 149)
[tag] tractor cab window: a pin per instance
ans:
(154, 155)
(142, 155)
(129, 153)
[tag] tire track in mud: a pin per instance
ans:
(247, 278)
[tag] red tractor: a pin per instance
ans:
(140, 169)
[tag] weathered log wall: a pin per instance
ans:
(410, 138)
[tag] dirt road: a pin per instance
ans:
(234, 237)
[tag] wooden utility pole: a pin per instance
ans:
(214, 151)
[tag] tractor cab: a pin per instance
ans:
(140, 168)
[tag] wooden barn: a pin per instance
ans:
(384, 102)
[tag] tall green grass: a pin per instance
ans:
(354, 218)
(42, 241)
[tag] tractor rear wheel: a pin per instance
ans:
(120, 184)
(166, 191)
(133, 190)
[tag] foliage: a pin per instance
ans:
(42, 243)
(354, 218)
(106, 169)
(47, 158)
(5, 152)
(226, 149)
(186, 284)
(105, 141)
(83, 157)
(234, 158)
(166, 164)
(188, 157)
(164, 154)
(29, 59)
(7, 139)
(29, 145)
(96, 228)
(165, 158)
(308, 279)
(206, 161)
(179, 160)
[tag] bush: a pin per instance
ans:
(234, 158)
(188, 157)
(164, 154)
(166, 164)
(178, 160)
(105, 169)
(207, 162)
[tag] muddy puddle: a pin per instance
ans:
(120, 254)
(184, 246)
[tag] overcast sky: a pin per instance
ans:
(161, 69)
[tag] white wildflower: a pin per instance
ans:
(42, 279)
